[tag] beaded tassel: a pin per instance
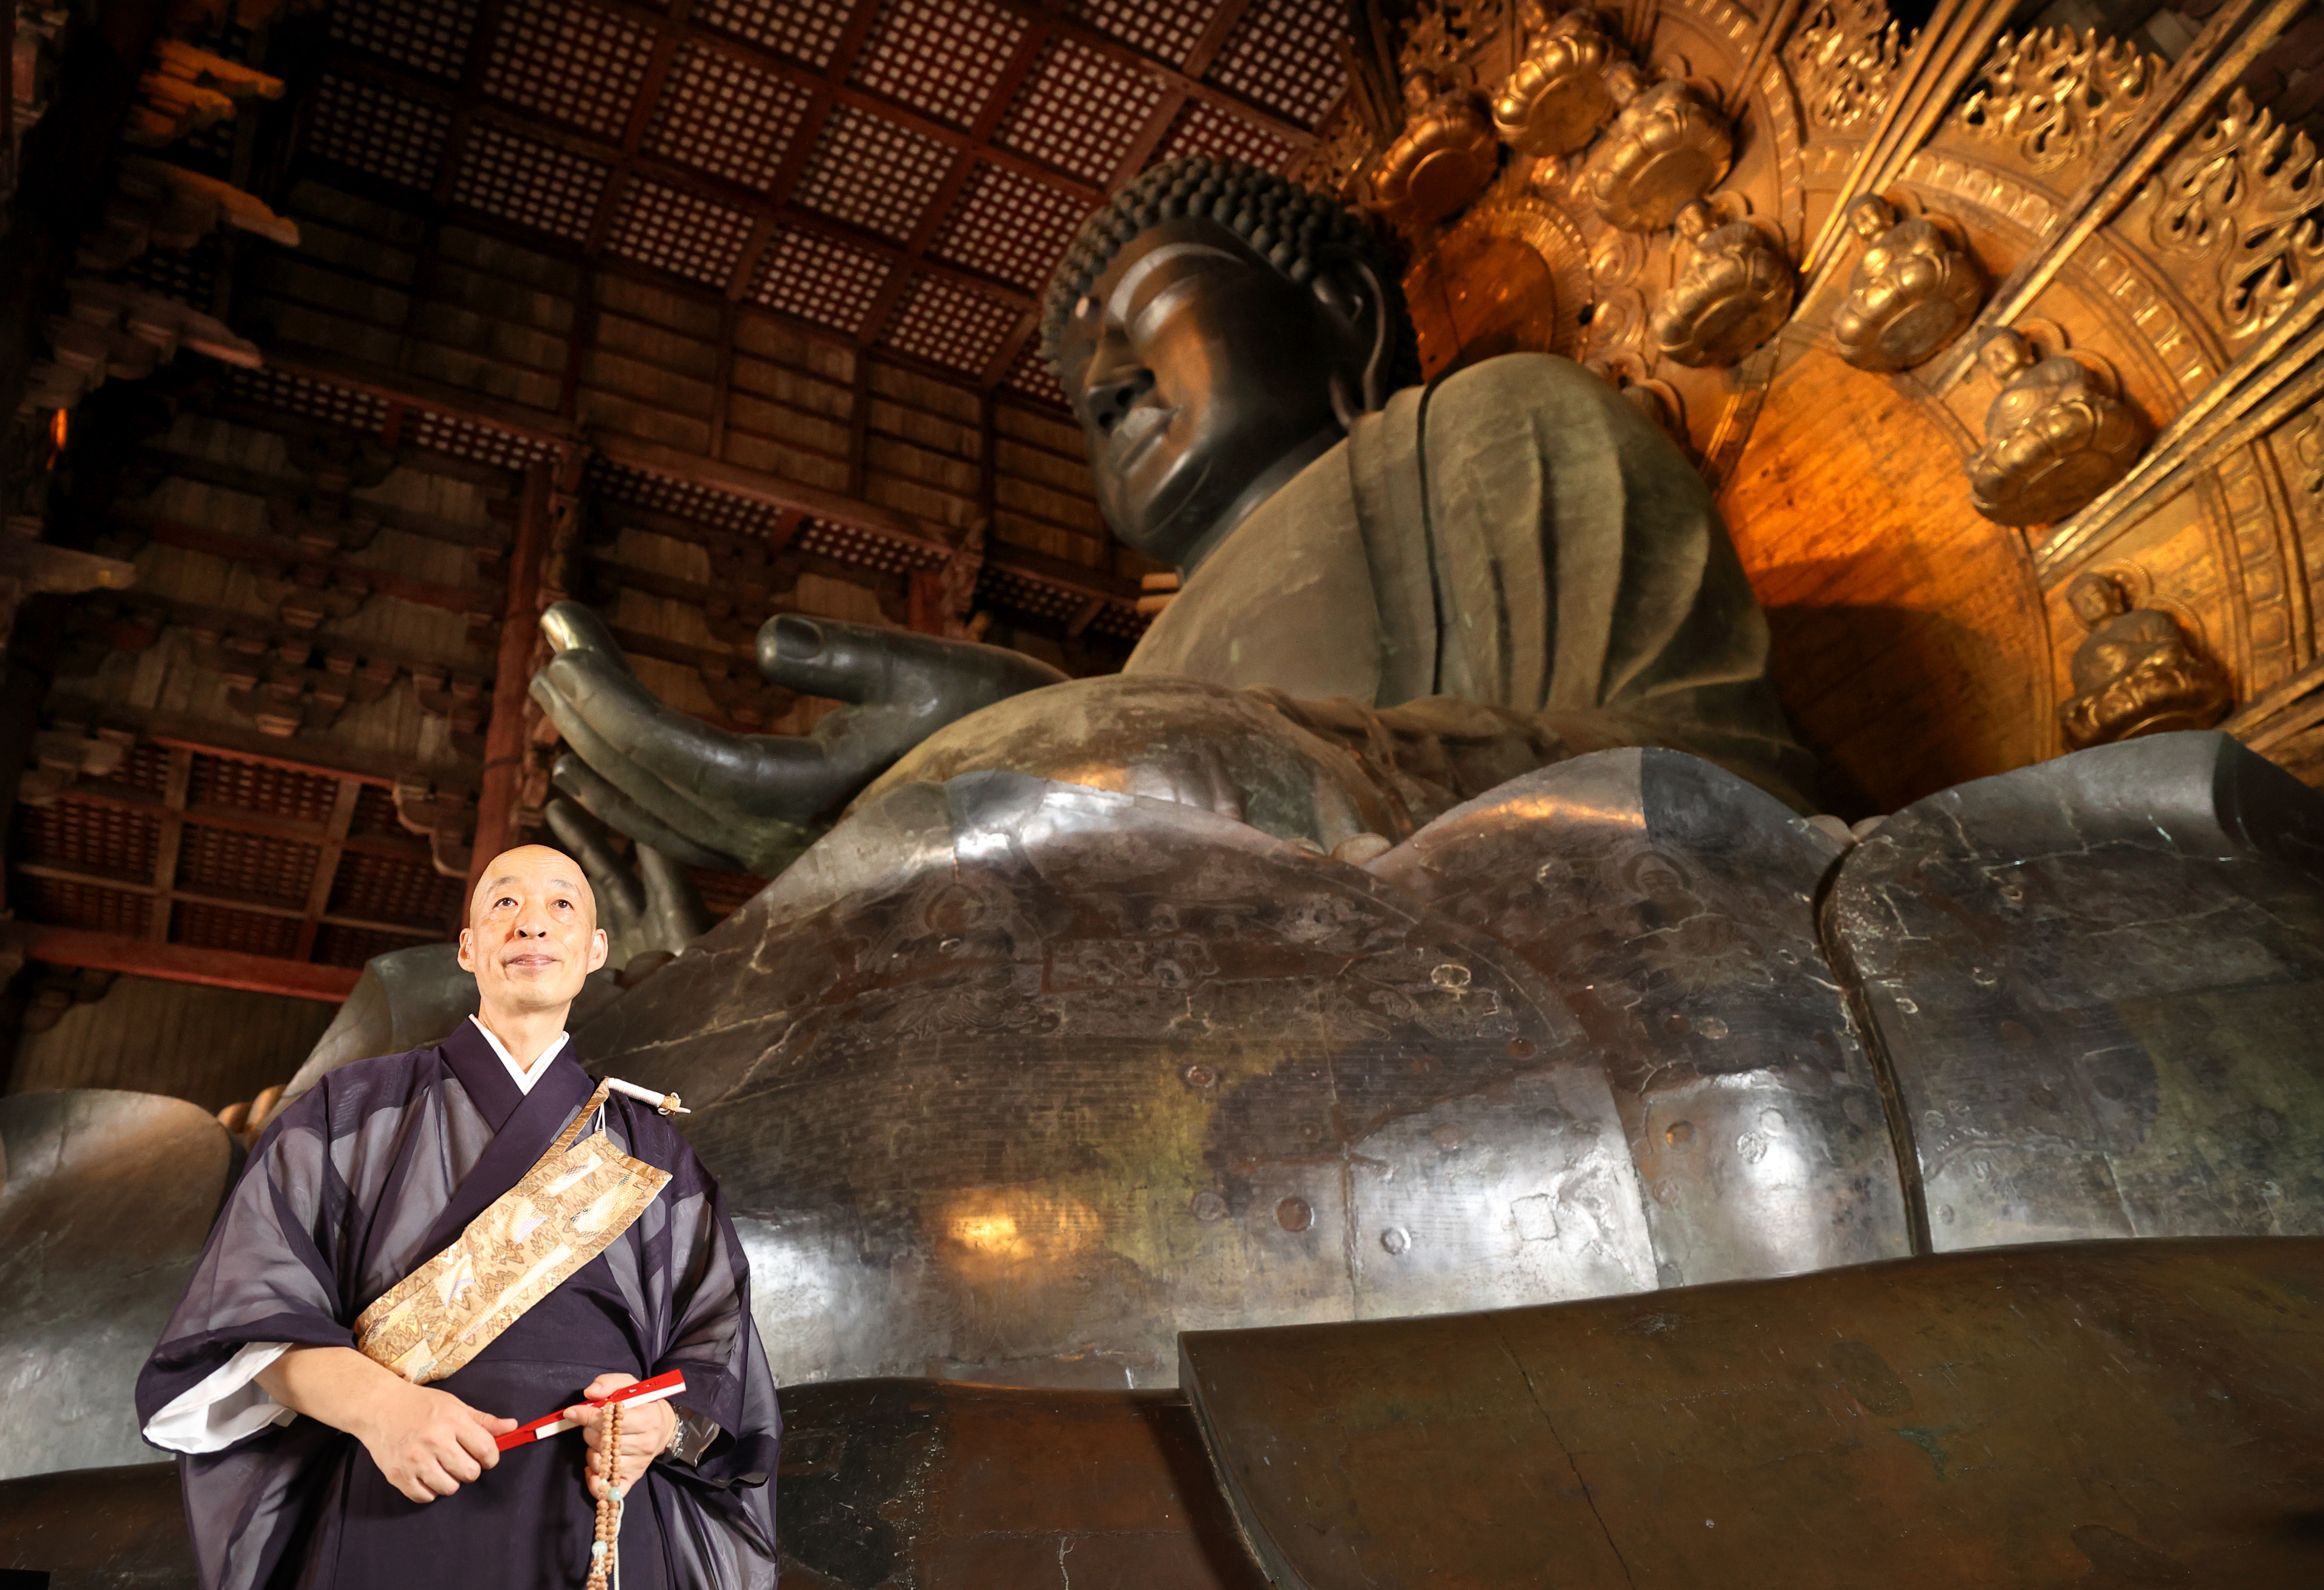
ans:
(604, 1555)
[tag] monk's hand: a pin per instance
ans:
(645, 1432)
(429, 1443)
(708, 797)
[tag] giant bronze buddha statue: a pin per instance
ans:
(1395, 596)
(1421, 921)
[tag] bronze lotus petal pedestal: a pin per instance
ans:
(1018, 1082)
(107, 1198)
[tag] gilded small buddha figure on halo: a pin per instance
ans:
(1395, 596)
(2135, 672)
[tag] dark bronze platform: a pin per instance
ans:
(2102, 1414)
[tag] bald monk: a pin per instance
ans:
(427, 1248)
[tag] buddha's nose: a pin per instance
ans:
(1114, 396)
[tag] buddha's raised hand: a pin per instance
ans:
(752, 802)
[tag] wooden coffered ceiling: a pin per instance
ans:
(899, 173)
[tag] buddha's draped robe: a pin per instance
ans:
(1516, 538)
(358, 1184)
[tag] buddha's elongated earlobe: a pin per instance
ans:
(1350, 303)
(1374, 389)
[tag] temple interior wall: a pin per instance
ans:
(212, 1046)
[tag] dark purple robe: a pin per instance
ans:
(360, 1183)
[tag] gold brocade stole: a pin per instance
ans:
(561, 1214)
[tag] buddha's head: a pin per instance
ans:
(1215, 326)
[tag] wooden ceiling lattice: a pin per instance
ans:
(949, 326)
(940, 57)
(337, 944)
(257, 787)
(106, 841)
(243, 933)
(309, 400)
(998, 586)
(827, 159)
(726, 118)
(1166, 29)
(256, 867)
(145, 767)
(807, 30)
(375, 814)
(1204, 129)
(1051, 121)
(1029, 376)
(845, 544)
(429, 34)
(819, 279)
(86, 906)
(618, 482)
(532, 183)
(680, 234)
(1011, 226)
(458, 439)
(574, 64)
(391, 890)
(210, 851)
(1286, 54)
(870, 172)
(358, 125)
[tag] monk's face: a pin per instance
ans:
(533, 934)
(1192, 366)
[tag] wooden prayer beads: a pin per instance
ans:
(604, 1551)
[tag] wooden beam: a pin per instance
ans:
(715, 475)
(504, 736)
(181, 963)
(267, 549)
(1059, 573)
(326, 864)
(254, 907)
(174, 784)
(240, 820)
(735, 480)
(322, 759)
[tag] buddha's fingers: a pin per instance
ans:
(621, 898)
(664, 754)
(570, 627)
(675, 915)
(601, 799)
(931, 678)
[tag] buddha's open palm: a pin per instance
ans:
(709, 797)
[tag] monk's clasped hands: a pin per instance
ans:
(646, 1432)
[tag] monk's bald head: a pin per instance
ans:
(538, 870)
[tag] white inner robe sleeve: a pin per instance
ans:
(228, 1405)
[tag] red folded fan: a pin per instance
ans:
(635, 1394)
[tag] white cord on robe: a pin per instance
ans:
(665, 1102)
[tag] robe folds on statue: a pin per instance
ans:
(356, 1185)
(1515, 536)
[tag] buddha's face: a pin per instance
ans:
(1193, 366)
